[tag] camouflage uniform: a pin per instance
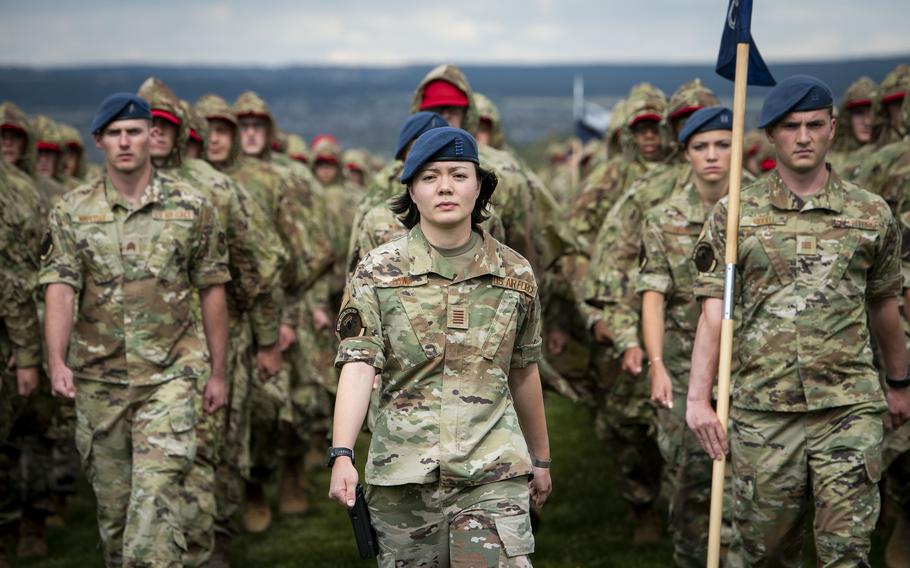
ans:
(668, 235)
(847, 153)
(883, 170)
(50, 136)
(136, 351)
(73, 143)
(895, 84)
(256, 257)
(806, 399)
(12, 115)
(443, 437)
(308, 407)
(24, 456)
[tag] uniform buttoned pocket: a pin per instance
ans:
(411, 323)
(500, 336)
(168, 254)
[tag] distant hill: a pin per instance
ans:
(365, 106)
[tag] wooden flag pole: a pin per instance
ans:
(726, 330)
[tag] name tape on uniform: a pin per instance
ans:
(513, 283)
(174, 214)
(100, 218)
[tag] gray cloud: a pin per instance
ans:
(348, 32)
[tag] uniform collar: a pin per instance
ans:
(152, 194)
(424, 259)
(830, 198)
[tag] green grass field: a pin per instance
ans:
(585, 523)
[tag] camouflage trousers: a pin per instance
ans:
(626, 420)
(232, 466)
(26, 456)
(137, 444)
(199, 505)
(783, 461)
(429, 525)
(688, 472)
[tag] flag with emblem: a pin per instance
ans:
(738, 29)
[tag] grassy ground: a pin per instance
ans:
(585, 523)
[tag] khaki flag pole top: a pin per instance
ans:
(739, 61)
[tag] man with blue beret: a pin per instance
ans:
(817, 275)
(128, 253)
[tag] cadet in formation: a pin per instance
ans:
(669, 315)
(817, 274)
(126, 254)
(451, 320)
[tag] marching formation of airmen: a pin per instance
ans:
(177, 323)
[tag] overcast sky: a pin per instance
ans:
(392, 32)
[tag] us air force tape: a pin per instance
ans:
(349, 324)
(47, 246)
(704, 257)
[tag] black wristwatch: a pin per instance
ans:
(898, 383)
(336, 453)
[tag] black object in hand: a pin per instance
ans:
(367, 545)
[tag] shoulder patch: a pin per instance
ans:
(171, 214)
(349, 324)
(704, 258)
(513, 283)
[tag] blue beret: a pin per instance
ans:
(414, 126)
(120, 106)
(705, 119)
(446, 144)
(794, 94)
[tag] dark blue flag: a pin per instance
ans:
(738, 29)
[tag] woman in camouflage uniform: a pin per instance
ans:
(450, 318)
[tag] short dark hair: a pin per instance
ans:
(406, 210)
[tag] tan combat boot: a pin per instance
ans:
(257, 516)
(292, 499)
(31, 539)
(897, 553)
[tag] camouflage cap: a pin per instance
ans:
(325, 148)
(645, 101)
(618, 118)
(895, 84)
(690, 97)
(451, 74)
(71, 137)
(251, 104)
(213, 107)
(356, 159)
(861, 92)
(166, 105)
(488, 112)
(297, 148)
(13, 118)
(197, 126)
(47, 134)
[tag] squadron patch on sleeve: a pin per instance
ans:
(703, 256)
(349, 324)
(47, 246)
